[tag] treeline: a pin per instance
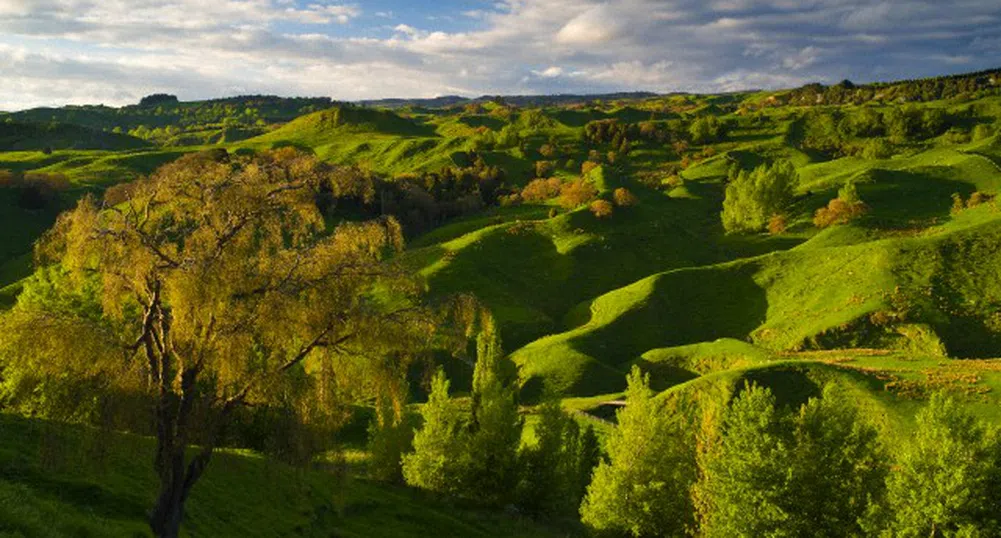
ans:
(162, 111)
(970, 85)
(839, 133)
(704, 129)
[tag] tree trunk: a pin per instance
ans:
(165, 521)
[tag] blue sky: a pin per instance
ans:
(55, 52)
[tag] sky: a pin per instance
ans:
(113, 52)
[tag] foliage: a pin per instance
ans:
(768, 474)
(539, 190)
(947, 478)
(491, 455)
(434, 464)
(220, 276)
(642, 489)
(707, 129)
(753, 197)
(624, 197)
(602, 209)
(577, 193)
(841, 210)
(556, 470)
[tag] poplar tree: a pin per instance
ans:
(643, 487)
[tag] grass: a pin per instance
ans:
(63, 480)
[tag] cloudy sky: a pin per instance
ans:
(55, 52)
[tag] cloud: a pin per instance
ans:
(114, 51)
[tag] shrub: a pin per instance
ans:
(587, 166)
(978, 198)
(508, 200)
(777, 224)
(877, 148)
(602, 208)
(539, 190)
(839, 211)
(957, 203)
(544, 168)
(624, 197)
(577, 193)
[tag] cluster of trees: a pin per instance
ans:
(706, 129)
(477, 454)
(930, 89)
(572, 194)
(754, 468)
(753, 197)
(841, 210)
(162, 111)
(836, 133)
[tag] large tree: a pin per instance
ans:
(223, 276)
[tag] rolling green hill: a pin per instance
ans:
(899, 302)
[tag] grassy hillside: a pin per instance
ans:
(35, 136)
(60, 480)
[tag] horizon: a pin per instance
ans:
(79, 52)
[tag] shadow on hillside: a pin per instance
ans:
(900, 198)
(685, 307)
(791, 385)
(482, 121)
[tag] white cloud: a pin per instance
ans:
(114, 51)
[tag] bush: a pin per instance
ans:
(587, 166)
(777, 224)
(877, 148)
(839, 211)
(981, 132)
(544, 168)
(539, 190)
(602, 208)
(624, 197)
(577, 193)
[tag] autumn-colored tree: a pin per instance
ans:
(223, 278)
(777, 224)
(544, 168)
(602, 208)
(624, 197)
(539, 190)
(577, 193)
(841, 210)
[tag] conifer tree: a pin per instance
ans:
(642, 489)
